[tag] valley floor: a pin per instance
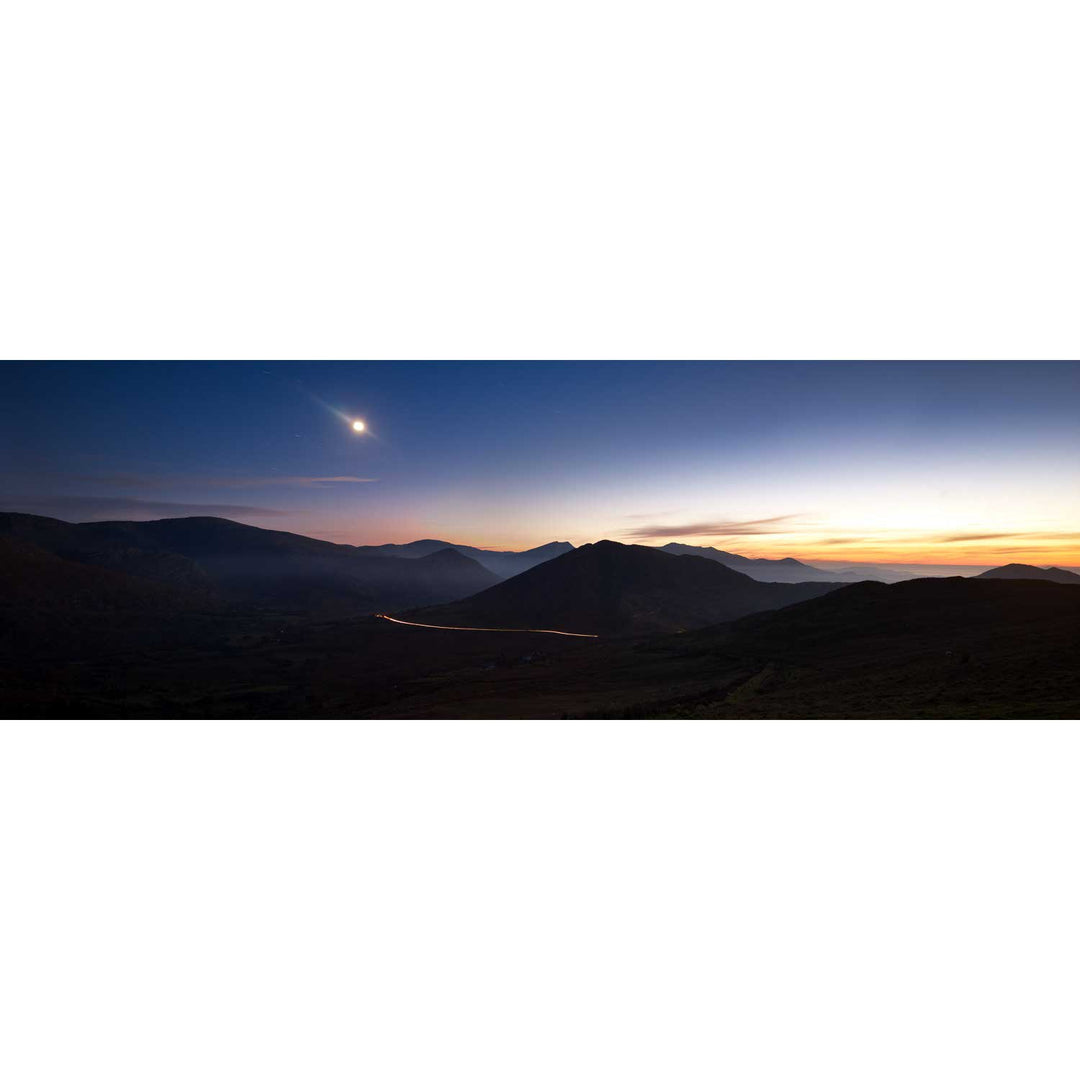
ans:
(277, 666)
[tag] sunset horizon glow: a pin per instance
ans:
(915, 463)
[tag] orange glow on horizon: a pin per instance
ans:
(973, 546)
(915, 553)
(1033, 548)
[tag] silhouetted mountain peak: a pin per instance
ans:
(502, 563)
(447, 556)
(612, 588)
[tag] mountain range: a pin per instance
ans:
(215, 559)
(612, 588)
(208, 617)
(790, 570)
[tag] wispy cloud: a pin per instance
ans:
(961, 538)
(64, 506)
(158, 482)
(1026, 549)
(757, 527)
(291, 481)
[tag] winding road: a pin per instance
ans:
(483, 629)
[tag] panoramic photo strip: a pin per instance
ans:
(540, 539)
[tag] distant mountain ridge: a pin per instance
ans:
(789, 570)
(504, 563)
(610, 588)
(1015, 571)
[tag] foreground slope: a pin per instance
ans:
(610, 588)
(930, 647)
(927, 648)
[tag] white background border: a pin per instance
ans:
(623, 899)
(496, 179)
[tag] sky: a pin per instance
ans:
(973, 463)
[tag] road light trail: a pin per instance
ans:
(483, 629)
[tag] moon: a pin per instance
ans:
(358, 425)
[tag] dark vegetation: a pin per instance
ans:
(205, 618)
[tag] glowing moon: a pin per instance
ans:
(358, 425)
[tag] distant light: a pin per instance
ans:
(358, 425)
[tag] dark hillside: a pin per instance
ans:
(941, 648)
(262, 567)
(110, 545)
(930, 647)
(52, 607)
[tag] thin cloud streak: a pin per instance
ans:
(756, 527)
(61, 505)
(961, 538)
(295, 481)
(162, 483)
(1032, 535)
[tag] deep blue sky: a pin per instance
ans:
(938, 461)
